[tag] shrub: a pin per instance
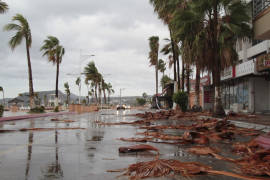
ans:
(1, 110)
(181, 99)
(141, 101)
(56, 109)
(38, 109)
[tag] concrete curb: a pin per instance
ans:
(31, 116)
(242, 124)
(261, 127)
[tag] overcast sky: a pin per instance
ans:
(115, 31)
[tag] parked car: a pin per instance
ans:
(120, 106)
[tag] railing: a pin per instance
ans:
(259, 6)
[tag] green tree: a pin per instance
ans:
(2, 90)
(223, 22)
(153, 55)
(67, 90)
(91, 74)
(22, 32)
(144, 95)
(165, 80)
(3, 7)
(78, 83)
(54, 52)
(110, 91)
(161, 66)
(165, 11)
(141, 101)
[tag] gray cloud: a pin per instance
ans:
(116, 32)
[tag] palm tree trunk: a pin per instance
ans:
(56, 85)
(178, 72)
(31, 89)
(197, 87)
(174, 55)
(188, 79)
(96, 98)
(3, 98)
(156, 79)
(183, 75)
(105, 98)
(99, 94)
(218, 108)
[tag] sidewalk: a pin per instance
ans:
(31, 116)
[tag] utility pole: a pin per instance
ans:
(121, 89)
(81, 61)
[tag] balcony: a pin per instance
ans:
(261, 19)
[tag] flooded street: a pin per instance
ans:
(83, 153)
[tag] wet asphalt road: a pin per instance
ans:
(82, 154)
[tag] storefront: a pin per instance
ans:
(236, 91)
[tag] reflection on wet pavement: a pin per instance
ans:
(82, 154)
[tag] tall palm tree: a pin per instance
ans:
(110, 91)
(91, 74)
(22, 32)
(2, 90)
(78, 83)
(104, 86)
(67, 90)
(153, 55)
(165, 11)
(162, 66)
(3, 7)
(54, 52)
(223, 22)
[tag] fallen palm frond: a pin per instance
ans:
(256, 163)
(161, 136)
(145, 139)
(63, 121)
(163, 167)
(6, 131)
(50, 129)
(199, 150)
(167, 127)
(123, 123)
(137, 148)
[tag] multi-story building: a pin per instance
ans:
(246, 86)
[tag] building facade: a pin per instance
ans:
(246, 86)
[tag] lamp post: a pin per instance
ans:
(83, 57)
(121, 89)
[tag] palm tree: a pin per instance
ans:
(91, 74)
(54, 52)
(162, 66)
(67, 90)
(104, 86)
(223, 22)
(78, 83)
(22, 32)
(165, 11)
(2, 90)
(153, 55)
(3, 7)
(164, 80)
(110, 91)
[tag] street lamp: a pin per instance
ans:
(121, 89)
(82, 59)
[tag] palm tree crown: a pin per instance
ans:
(3, 7)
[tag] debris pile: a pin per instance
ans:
(254, 160)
